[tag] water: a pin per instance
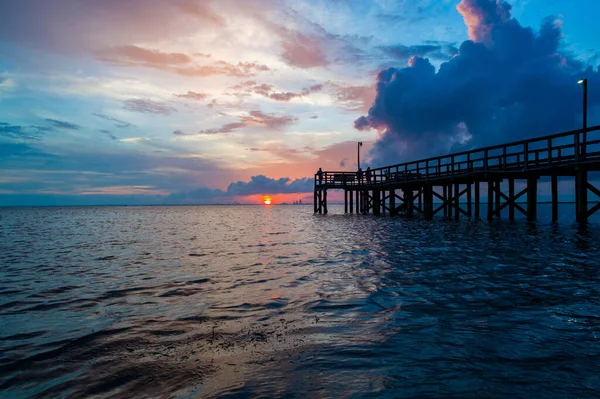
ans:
(258, 301)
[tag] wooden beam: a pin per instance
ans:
(554, 182)
(477, 199)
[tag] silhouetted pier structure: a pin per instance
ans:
(412, 187)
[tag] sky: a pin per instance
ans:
(201, 101)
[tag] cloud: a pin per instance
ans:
(227, 128)
(258, 184)
(434, 50)
(192, 95)
(109, 134)
(309, 45)
(179, 133)
(264, 185)
(240, 70)
(75, 25)
(63, 125)
(21, 132)
(118, 123)
(355, 98)
(148, 107)
(268, 91)
(138, 56)
(179, 63)
(508, 83)
(254, 119)
(134, 139)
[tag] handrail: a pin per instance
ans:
(529, 155)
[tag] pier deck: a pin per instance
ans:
(411, 187)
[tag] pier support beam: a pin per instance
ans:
(477, 194)
(490, 200)
(376, 202)
(469, 201)
(325, 202)
(357, 192)
(345, 201)
(554, 182)
(449, 201)
(428, 201)
(511, 195)
(532, 198)
(316, 202)
(393, 202)
(581, 197)
(456, 201)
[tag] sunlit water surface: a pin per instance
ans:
(273, 301)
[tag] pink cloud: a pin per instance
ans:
(139, 56)
(481, 16)
(192, 95)
(355, 98)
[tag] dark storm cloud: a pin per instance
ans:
(264, 185)
(259, 184)
(507, 83)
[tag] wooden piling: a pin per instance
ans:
(511, 198)
(392, 202)
(376, 202)
(554, 183)
(345, 201)
(490, 200)
(456, 201)
(532, 198)
(581, 197)
(477, 199)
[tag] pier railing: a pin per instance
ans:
(557, 150)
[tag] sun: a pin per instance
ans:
(267, 200)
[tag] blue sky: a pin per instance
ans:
(172, 101)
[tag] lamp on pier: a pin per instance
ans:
(584, 82)
(359, 145)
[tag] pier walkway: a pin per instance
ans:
(455, 180)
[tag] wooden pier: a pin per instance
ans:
(455, 180)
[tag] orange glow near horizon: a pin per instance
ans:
(267, 200)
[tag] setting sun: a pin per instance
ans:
(267, 200)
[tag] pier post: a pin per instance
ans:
(469, 201)
(376, 202)
(477, 200)
(532, 198)
(315, 202)
(554, 182)
(420, 198)
(449, 201)
(325, 202)
(581, 200)
(392, 202)
(357, 192)
(456, 201)
(497, 201)
(320, 202)
(445, 199)
(490, 200)
(511, 198)
(345, 201)
(351, 200)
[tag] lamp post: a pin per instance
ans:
(359, 145)
(584, 82)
